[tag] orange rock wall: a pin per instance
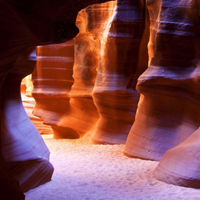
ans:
(108, 59)
(23, 26)
(110, 54)
(167, 121)
(168, 108)
(65, 76)
(53, 80)
(120, 66)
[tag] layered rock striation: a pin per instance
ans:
(52, 83)
(92, 23)
(110, 54)
(168, 108)
(22, 146)
(24, 25)
(180, 165)
(123, 58)
(65, 75)
(168, 112)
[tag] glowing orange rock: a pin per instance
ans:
(28, 85)
(68, 109)
(92, 23)
(52, 82)
(26, 24)
(168, 108)
(120, 65)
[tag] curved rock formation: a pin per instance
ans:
(181, 165)
(52, 83)
(68, 109)
(29, 103)
(123, 59)
(92, 23)
(26, 24)
(21, 144)
(168, 111)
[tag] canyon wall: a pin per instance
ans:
(65, 76)
(52, 80)
(104, 94)
(88, 84)
(109, 55)
(123, 58)
(21, 144)
(168, 111)
(24, 25)
(92, 23)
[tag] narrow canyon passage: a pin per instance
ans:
(86, 171)
(83, 171)
(112, 93)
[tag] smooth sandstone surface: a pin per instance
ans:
(120, 65)
(167, 120)
(91, 86)
(168, 107)
(22, 146)
(180, 165)
(24, 25)
(65, 76)
(52, 83)
(92, 23)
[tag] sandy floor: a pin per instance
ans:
(101, 172)
(84, 171)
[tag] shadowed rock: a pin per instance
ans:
(62, 101)
(168, 109)
(120, 65)
(26, 24)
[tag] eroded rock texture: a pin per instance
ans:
(52, 82)
(180, 165)
(22, 146)
(168, 111)
(120, 65)
(23, 25)
(29, 103)
(92, 23)
(110, 53)
(63, 101)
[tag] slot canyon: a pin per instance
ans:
(99, 99)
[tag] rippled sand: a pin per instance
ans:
(84, 171)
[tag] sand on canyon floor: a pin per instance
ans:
(84, 171)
